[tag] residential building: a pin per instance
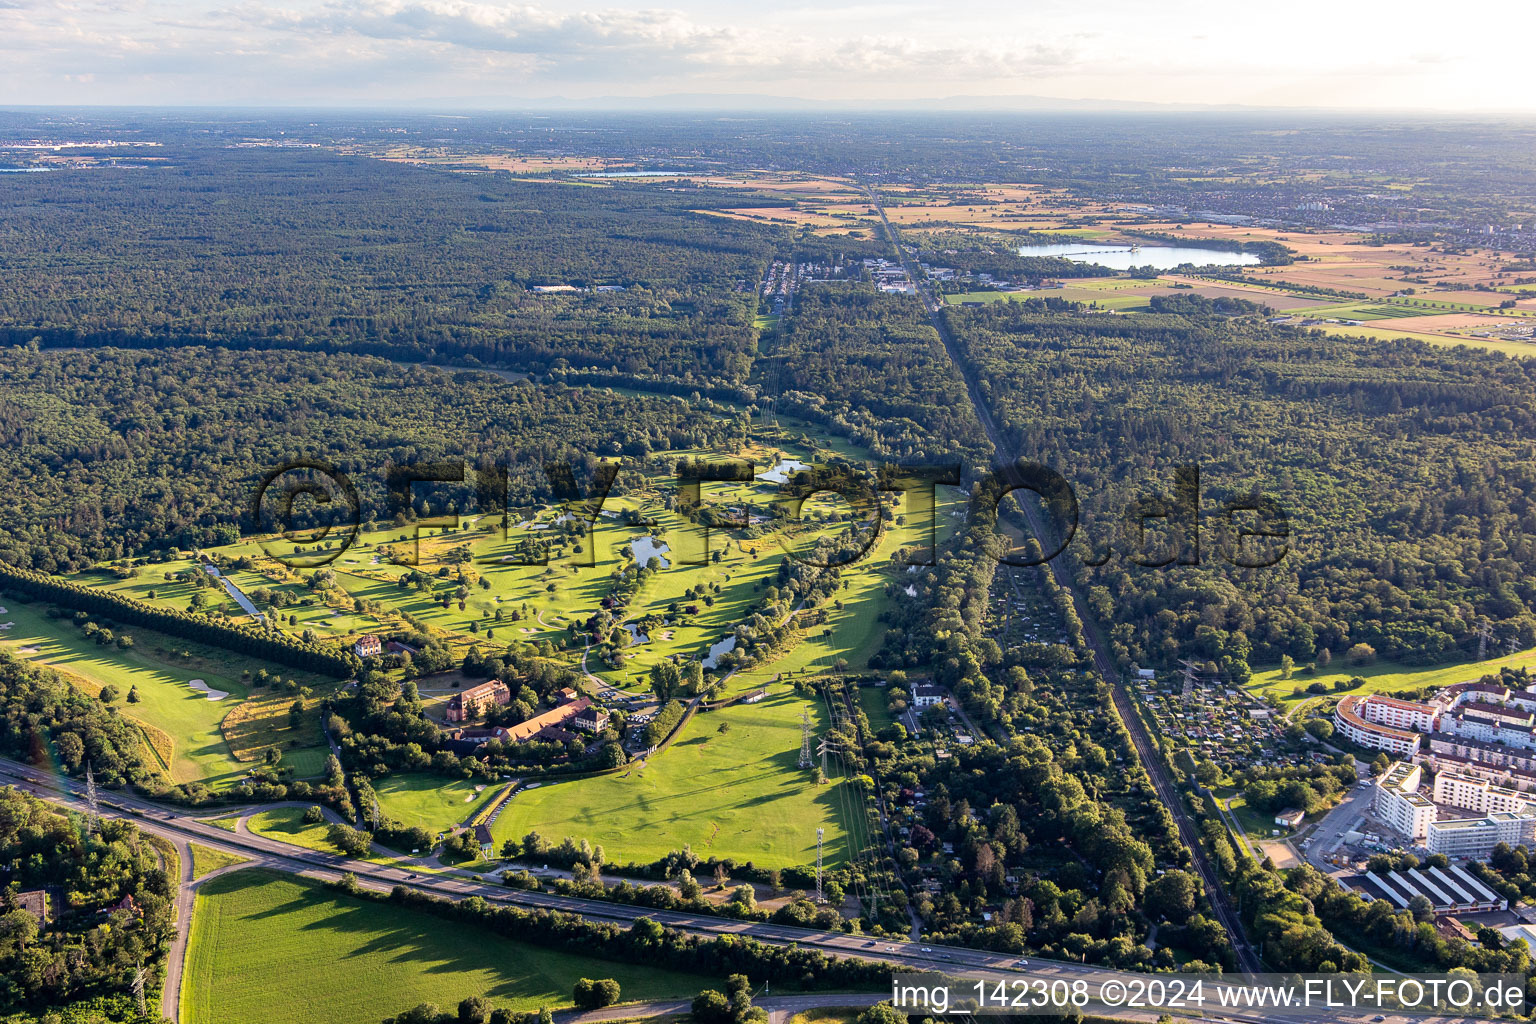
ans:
(1473, 793)
(1492, 723)
(1378, 723)
(1399, 803)
(1475, 838)
(927, 695)
(1498, 774)
(486, 841)
(592, 719)
(1490, 754)
(368, 646)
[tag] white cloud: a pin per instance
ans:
(318, 51)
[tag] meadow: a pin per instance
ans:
(731, 792)
(286, 825)
(1383, 676)
(206, 860)
(267, 948)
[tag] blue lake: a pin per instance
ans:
(1124, 257)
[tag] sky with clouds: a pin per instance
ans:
(488, 53)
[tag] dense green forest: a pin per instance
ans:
(113, 451)
(868, 365)
(255, 249)
(1405, 473)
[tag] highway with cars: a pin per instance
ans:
(181, 826)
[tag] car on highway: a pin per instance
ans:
(1021, 962)
(926, 949)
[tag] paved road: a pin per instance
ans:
(780, 1008)
(170, 998)
(234, 592)
(1151, 758)
(179, 826)
(1342, 818)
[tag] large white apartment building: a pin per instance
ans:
(1489, 693)
(1507, 815)
(1399, 803)
(1475, 715)
(1457, 789)
(1439, 756)
(1384, 723)
(1476, 837)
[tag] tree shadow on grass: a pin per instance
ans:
(355, 930)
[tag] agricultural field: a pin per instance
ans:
(274, 949)
(210, 731)
(1382, 676)
(728, 787)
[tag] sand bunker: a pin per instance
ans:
(26, 650)
(202, 687)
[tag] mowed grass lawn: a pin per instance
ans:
(1385, 676)
(734, 794)
(286, 825)
(431, 801)
(188, 724)
(267, 948)
(206, 860)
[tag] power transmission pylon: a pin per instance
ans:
(821, 748)
(805, 739)
(1484, 634)
(90, 798)
(138, 989)
(1190, 675)
(819, 833)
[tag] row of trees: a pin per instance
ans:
(110, 607)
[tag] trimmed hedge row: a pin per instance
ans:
(241, 639)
